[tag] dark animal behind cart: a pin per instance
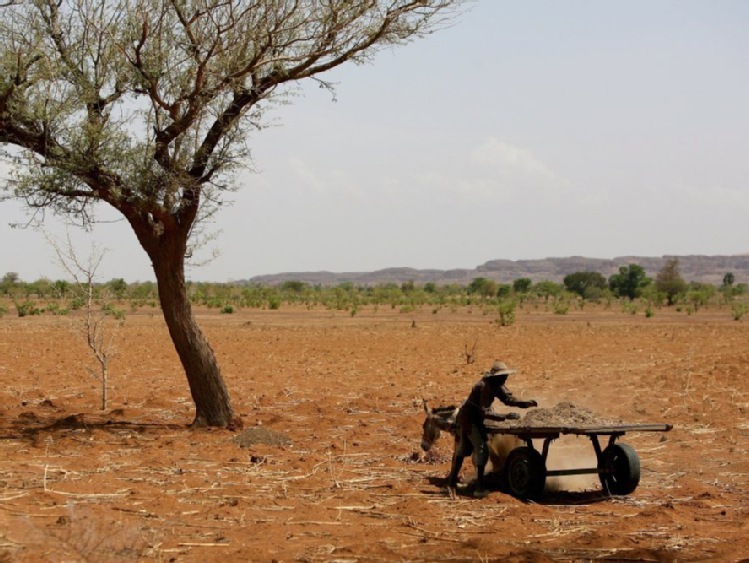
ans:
(618, 465)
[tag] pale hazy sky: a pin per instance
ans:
(529, 129)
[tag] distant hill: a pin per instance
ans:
(705, 269)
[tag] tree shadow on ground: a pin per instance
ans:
(30, 425)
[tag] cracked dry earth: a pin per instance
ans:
(328, 467)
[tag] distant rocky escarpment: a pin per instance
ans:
(704, 269)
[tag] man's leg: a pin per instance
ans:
(459, 453)
(480, 457)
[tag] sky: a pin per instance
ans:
(528, 129)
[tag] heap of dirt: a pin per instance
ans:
(562, 415)
(261, 435)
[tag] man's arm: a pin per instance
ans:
(509, 399)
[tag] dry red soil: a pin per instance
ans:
(134, 482)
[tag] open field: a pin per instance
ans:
(134, 483)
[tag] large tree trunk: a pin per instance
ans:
(212, 403)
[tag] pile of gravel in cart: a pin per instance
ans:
(562, 415)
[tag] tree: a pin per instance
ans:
(630, 281)
(522, 285)
(146, 105)
(40, 287)
(582, 282)
(727, 287)
(699, 294)
(503, 290)
(118, 286)
(60, 289)
(294, 286)
(10, 279)
(547, 289)
(669, 282)
(483, 287)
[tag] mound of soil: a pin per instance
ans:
(563, 414)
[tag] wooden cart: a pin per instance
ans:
(618, 465)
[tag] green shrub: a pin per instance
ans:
(227, 309)
(27, 308)
(109, 309)
(561, 307)
(629, 307)
(215, 303)
(55, 309)
(506, 310)
(739, 309)
(52, 308)
(3, 310)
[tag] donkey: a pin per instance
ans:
(438, 420)
(444, 419)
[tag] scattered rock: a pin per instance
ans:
(235, 424)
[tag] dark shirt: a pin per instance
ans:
(480, 400)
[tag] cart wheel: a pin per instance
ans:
(525, 473)
(620, 469)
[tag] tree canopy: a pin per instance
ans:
(629, 281)
(483, 287)
(581, 282)
(148, 105)
(522, 285)
(669, 282)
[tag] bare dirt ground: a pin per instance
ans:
(338, 399)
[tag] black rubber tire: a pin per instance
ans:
(525, 473)
(620, 469)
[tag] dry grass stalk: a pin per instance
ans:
(203, 544)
